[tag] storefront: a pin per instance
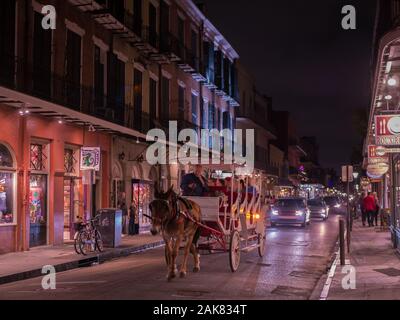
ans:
(42, 191)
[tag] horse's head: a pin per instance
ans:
(161, 209)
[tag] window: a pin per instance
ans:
(194, 48)
(153, 100)
(165, 98)
(99, 69)
(7, 41)
(211, 117)
(116, 88)
(181, 30)
(73, 70)
(181, 103)
(181, 37)
(164, 17)
(41, 58)
(7, 187)
(70, 162)
(204, 113)
(38, 158)
(153, 25)
(137, 97)
(194, 109)
(137, 17)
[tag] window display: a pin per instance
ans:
(6, 198)
(7, 214)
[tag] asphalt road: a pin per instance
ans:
(294, 262)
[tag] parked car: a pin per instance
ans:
(318, 208)
(290, 211)
(336, 206)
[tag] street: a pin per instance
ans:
(294, 262)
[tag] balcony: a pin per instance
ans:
(58, 95)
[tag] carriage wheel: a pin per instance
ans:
(261, 245)
(234, 251)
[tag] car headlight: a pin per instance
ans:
(323, 211)
(275, 212)
(299, 213)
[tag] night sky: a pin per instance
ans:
(306, 62)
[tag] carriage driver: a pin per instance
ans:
(194, 184)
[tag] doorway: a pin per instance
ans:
(38, 210)
(71, 206)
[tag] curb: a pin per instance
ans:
(84, 262)
(316, 293)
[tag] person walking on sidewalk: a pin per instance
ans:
(377, 208)
(370, 208)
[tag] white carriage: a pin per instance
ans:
(233, 215)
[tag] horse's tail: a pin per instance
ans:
(197, 236)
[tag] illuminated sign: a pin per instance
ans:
(387, 130)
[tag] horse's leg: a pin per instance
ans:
(196, 256)
(174, 255)
(183, 271)
(168, 253)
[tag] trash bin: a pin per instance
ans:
(110, 227)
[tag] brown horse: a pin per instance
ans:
(175, 219)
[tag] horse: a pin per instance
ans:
(176, 219)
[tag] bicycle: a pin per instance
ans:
(88, 238)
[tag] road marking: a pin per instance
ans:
(328, 283)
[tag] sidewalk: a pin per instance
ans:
(377, 267)
(25, 265)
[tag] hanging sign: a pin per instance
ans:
(387, 130)
(90, 159)
(377, 155)
(378, 169)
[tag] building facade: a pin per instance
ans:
(385, 99)
(108, 73)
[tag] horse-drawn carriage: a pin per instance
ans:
(233, 219)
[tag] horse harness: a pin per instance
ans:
(179, 216)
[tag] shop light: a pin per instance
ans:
(392, 82)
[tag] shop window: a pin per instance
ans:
(38, 158)
(7, 187)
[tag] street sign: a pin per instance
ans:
(387, 130)
(347, 174)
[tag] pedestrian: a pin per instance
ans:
(133, 220)
(377, 208)
(370, 208)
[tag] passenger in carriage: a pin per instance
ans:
(195, 184)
